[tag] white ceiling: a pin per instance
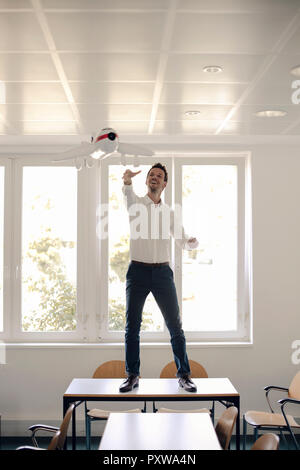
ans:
(71, 67)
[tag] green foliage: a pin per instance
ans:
(120, 259)
(56, 295)
(117, 317)
(57, 306)
(119, 264)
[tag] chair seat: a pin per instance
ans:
(104, 414)
(262, 418)
(168, 410)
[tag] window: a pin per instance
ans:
(64, 249)
(49, 247)
(46, 274)
(212, 283)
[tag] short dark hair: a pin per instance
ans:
(161, 167)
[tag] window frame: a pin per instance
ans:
(7, 248)
(173, 196)
(243, 333)
(92, 280)
(17, 334)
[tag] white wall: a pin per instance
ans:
(34, 379)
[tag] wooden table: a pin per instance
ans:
(208, 389)
(159, 431)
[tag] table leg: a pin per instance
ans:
(74, 429)
(65, 407)
(237, 426)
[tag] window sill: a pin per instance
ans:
(109, 345)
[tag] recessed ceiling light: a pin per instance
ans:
(212, 69)
(192, 113)
(296, 71)
(271, 113)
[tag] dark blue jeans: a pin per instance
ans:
(140, 281)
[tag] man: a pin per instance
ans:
(149, 271)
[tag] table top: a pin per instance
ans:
(206, 387)
(159, 431)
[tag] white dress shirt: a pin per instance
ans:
(150, 228)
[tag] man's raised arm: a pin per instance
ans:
(129, 195)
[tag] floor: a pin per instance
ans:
(11, 443)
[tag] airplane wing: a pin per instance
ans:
(82, 150)
(131, 149)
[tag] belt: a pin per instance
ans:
(151, 264)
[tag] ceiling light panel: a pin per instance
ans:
(267, 127)
(246, 113)
(96, 114)
(124, 127)
(186, 127)
(275, 87)
(228, 33)
(234, 128)
(177, 113)
(202, 94)
(119, 32)
(27, 67)
(260, 127)
(189, 67)
(271, 113)
(47, 127)
(239, 5)
(107, 4)
(271, 94)
(35, 93)
(15, 4)
(110, 67)
(36, 112)
(118, 93)
(20, 32)
(292, 47)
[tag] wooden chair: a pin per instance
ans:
(58, 440)
(225, 425)
(108, 370)
(170, 370)
(197, 371)
(63, 429)
(52, 446)
(271, 420)
(266, 442)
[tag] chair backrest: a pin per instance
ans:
(266, 442)
(225, 425)
(54, 441)
(170, 370)
(64, 427)
(294, 388)
(110, 370)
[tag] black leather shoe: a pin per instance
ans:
(186, 383)
(130, 383)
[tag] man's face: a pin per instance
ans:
(156, 180)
